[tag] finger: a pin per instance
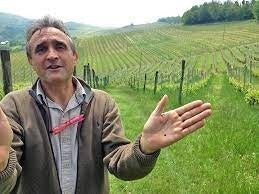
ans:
(161, 105)
(181, 110)
(196, 118)
(193, 127)
(195, 111)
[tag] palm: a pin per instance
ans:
(164, 129)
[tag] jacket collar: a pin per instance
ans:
(88, 91)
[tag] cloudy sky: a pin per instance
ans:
(105, 13)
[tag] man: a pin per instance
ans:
(61, 136)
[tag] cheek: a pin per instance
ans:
(36, 65)
(36, 68)
(71, 62)
(33, 64)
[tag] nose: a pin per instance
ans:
(52, 54)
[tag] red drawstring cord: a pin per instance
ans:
(56, 130)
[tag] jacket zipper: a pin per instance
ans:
(79, 127)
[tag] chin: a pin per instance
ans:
(55, 79)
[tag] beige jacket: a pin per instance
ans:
(101, 146)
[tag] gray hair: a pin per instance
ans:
(45, 22)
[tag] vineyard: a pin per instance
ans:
(132, 55)
(142, 63)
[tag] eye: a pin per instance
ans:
(40, 49)
(60, 46)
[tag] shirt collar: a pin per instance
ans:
(79, 92)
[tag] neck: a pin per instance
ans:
(59, 93)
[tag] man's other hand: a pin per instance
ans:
(6, 137)
(165, 128)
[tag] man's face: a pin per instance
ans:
(51, 55)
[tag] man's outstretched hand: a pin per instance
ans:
(165, 128)
(6, 137)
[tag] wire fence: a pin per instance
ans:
(20, 73)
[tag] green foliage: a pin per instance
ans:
(255, 73)
(256, 10)
(216, 12)
(252, 97)
(16, 86)
(21, 85)
(1, 92)
(170, 20)
(238, 85)
(251, 94)
(196, 86)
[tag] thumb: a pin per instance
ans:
(161, 105)
(6, 133)
(2, 115)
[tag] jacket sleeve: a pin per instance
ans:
(9, 176)
(123, 159)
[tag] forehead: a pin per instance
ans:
(48, 34)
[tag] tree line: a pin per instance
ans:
(217, 12)
(171, 20)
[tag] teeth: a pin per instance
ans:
(54, 66)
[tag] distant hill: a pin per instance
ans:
(133, 27)
(78, 29)
(13, 28)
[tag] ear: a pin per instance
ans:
(30, 61)
(75, 55)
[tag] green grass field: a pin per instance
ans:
(220, 158)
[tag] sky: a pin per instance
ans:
(102, 13)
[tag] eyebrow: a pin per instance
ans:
(52, 42)
(60, 42)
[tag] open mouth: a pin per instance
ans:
(54, 67)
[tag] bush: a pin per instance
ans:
(251, 94)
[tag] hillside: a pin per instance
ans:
(151, 47)
(78, 29)
(158, 47)
(12, 27)
(133, 55)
